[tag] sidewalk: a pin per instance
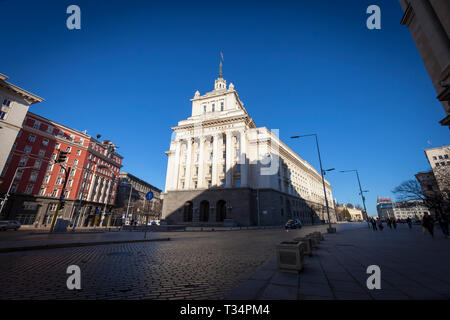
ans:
(413, 266)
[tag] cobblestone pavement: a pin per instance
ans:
(413, 266)
(193, 265)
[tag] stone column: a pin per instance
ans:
(229, 160)
(175, 177)
(215, 160)
(91, 188)
(243, 159)
(187, 178)
(201, 164)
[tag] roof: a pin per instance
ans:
(31, 98)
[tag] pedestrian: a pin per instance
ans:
(428, 224)
(408, 221)
(443, 222)
(394, 223)
(374, 224)
(380, 224)
(389, 223)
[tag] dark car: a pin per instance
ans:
(9, 224)
(292, 224)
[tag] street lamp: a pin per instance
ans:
(10, 185)
(330, 229)
(361, 192)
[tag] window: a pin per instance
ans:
(213, 107)
(61, 170)
(209, 184)
(19, 174)
(75, 162)
(50, 129)
(42, 153)
(57, 146)
(437, 164)
(47, 179)
(52, 206)
(5, 168)
(31, 138)
(446, 156)
(2, 115)
(58, 181)
(14, 188)
(237, 182)
(221, 106)
(37, 164)
(78, 152)
(72, 173)
(68, 149)
(195, 184)
(224, 155)
(29, 189)
(440, 157)
(70, 182)
(45, 142)
(204, 108)
(36, 124)
(6, 102)
(27, 149)
(33, 176)
(210, 169)
(42, 191)
(434, 158)
(23, 161)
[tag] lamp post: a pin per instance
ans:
(360, 192)
(10, 185)
(330, 229)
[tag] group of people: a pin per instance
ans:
(427, 224)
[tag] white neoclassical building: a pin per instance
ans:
(223, 170)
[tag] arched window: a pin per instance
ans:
(221, 210)
(188, 209)
(204, 211)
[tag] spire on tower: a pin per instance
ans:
(220, 70)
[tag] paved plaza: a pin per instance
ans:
(232, 265)
(413, 266)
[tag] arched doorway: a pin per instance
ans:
(204, 211)
(188, 209)
(221, 210)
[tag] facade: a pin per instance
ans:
(355, 214)
(37, 184)
(409, 209)
(384, 208)
(429, 24)
(439, 159)
(132, 191)
(223, 170)
(14, 104)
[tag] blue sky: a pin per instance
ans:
(300, 67)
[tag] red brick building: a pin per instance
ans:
(38, 183)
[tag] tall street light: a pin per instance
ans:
(360, 192)
(322, 172)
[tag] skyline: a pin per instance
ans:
(272, 80)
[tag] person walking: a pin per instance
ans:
(394, 223)
(408, 221)
(443, 222)
(389, 223)
(380, 225)
(374, 224)
(428, 224)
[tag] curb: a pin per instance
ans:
(76, 244)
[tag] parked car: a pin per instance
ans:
(292, 224)
(300, 224)
(9, 224)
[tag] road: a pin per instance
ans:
(193, 265)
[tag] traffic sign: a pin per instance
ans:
(149, 195)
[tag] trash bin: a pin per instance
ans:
(290, 256)
(318, 235)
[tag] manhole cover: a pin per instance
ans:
(120, 254)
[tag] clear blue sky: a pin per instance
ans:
(301, 67)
